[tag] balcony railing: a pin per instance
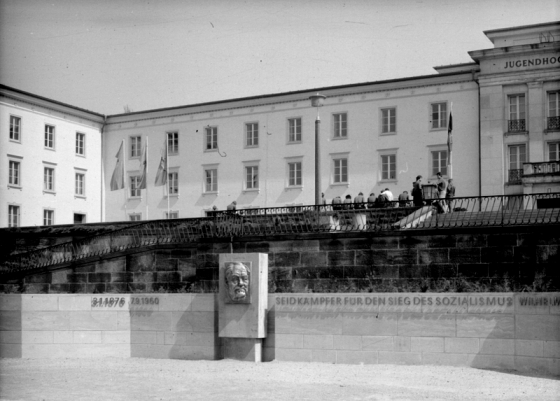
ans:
(290, 221)
(515, 176)
(553, 123)
(516, 125)
(541, 168)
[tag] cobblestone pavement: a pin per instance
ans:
(154, 379)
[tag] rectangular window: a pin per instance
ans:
(80, 144)
(388, 121)
(49, 136)
(516, 120)
(15, 128)
(439, 162)
(48, 217)
(294, 130)
(252, 177)
(554, 151)
(173, 183)
(340, 171)
(252, 134)
(80, 184)
(135, 190)
(79, 218)
(48, 179)
(388, 167)
(13, 216)
(517, 156)
(135, 146)
(173, 143)
(294, 174)
(439, 115)
(14, 173)
(340, 122)
(135, 216)
(211, 180)
(553, 122)
(172, 214)
(211, 138)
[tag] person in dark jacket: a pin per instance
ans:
(417, 195)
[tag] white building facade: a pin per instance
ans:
(260, 151)
(50, 162)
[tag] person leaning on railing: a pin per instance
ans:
(450, 194)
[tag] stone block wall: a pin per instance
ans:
(514, 331)
(175, 326)
(495, 259)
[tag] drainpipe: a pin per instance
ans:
(102, 181)
(479, 136)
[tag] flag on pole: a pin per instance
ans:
(161, 175)
(450, 132)
(144, 165)
(117, 180)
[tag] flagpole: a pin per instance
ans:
(124, 178)
(146, 180)
(450, 142)
(167, 170)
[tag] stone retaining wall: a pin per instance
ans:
(323, 263)
(494, 330)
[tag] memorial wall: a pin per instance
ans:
(518, 331)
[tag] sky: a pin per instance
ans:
(105, 55)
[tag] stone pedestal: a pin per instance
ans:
(242, 302)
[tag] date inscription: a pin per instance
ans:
(112, 302)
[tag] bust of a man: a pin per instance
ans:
(237, 281)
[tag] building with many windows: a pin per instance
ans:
(50, 161)
(259, 151)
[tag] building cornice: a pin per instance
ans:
(291, 97)
(50, 105)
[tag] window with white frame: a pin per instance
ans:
(516, 113)
(172, 214)
(252, 134)
(211, 180)
(14, 173)
(173, 143)
(135, 216)
(135, 191)
(340, 124)
(211, 141)
(295, 174)
(251, 177)
(173, 183)
(80, 187)
(135, 146)
(388, 167)
(554, 151)
(439, 115)
(15, 128)
(340, 170)
(517, 156)
(389, 120)
(553, 122)
(48, 217)
(80, 144)
(439, 162)
(13, 216)
(49, 136)
(294, 130)
(48, 179)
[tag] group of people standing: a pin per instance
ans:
(446, 192)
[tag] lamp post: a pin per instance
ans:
(317, 101)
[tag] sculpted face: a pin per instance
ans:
(237, 280)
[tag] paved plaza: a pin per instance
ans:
(164, 379)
